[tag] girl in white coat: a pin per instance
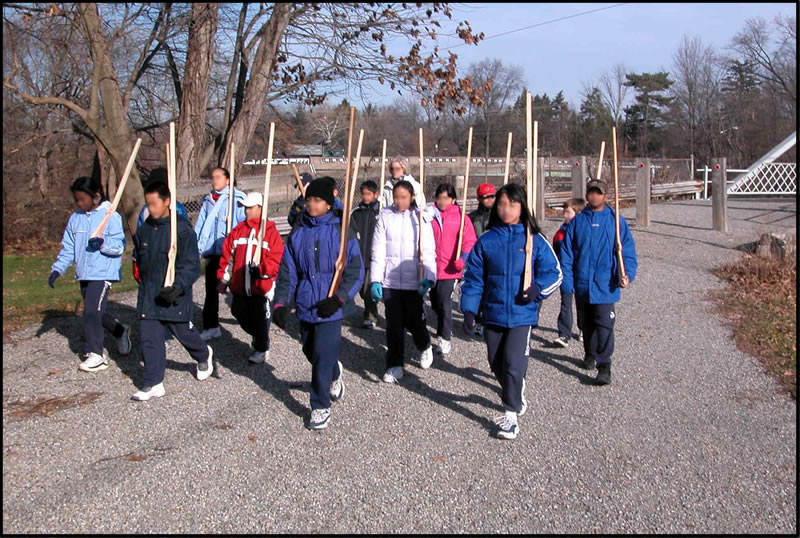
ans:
(395, 277)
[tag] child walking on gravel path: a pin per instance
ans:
(572, 207)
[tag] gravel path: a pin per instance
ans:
(692, 436)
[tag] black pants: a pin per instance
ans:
(565, 316)
(370, 306)
(598, 331)
(153, 352)
(442, 304)
(253, 314)
(403, 310)
(508, 358)
(95, 317)
(321, 342)
(211, 304)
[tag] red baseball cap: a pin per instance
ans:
(486, 189)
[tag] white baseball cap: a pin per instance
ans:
(253, 198)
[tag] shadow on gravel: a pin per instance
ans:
(683, 238)
(560, 362)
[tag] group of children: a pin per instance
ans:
(397, 249)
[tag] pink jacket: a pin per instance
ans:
(445, 234)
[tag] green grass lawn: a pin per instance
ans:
(26, 294)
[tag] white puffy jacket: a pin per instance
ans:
(395, 254)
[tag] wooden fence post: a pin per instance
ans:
(540, 205)
(719, 194)
(579, 177)
(643, 193)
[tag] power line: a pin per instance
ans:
(540, 24)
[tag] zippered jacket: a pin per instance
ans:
(445, 233)
(395, 249)
(239, 249)
(212, 221)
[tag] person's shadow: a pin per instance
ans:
(559, 362)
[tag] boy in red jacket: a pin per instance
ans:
(251, 281)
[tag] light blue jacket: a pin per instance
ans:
(103, 264)
(211, 226)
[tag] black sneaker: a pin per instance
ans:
(588, 363)
(603, 374)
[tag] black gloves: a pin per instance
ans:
(530, 295)
(328, 307)
(168, 295)
(95, 243)
(279, 314)
(52, 280)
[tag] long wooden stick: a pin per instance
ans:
(466, 187)
(600, 161)
(508, 159)
(535, 186)
(526, 279)
(121, 187)
(229, 223)
(299, 181)
(383, 173)
(340, 259)
(265, 208)
(169, 280)
(422, 189)
(617, 240)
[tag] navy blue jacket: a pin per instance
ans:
(494, 274)
(151, 244)
(588, 256)
(363, 220)
(308, 265)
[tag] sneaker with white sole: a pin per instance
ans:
(208, 334)
(561, 341)
(524, 401)
(507, 427)
(367, 324)
(393, 374)
(258, 357)
(319, 419)
(580, 336)
(426, 359)
(444, 346)
(337, 386)
(206, 367)
(146, 393)
(93, 362)
(124, 341)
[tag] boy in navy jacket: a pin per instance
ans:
(589, 263)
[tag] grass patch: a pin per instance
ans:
(26, 295)
(761, 304)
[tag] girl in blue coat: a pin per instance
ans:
(98, 263)
(305, 276)
(492, 291)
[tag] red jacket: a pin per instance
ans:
(233, 265)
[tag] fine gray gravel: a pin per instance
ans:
(692, 436)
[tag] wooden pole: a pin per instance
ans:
(422, 189)
(383, 173)
(265, 208)
(508, 159)
(535, 173)
(466, 186)
(229, 223)
(299, 181)
(354, 181)
(340, 259)
(526, 279)
(719, 194)
(600, 161)
(617, 241)
(169, 280)
(121, 187)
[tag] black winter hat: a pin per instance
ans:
(322, 187)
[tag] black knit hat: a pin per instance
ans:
(321, 187)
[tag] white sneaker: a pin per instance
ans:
(580, 336)
(208, 334)
(367, 324)
(124, 342)
(426, 359)
(206, 367)
(561, 341)
(524, 401)
(444, 346)
(319, 419)
(393, 374)
(94, 362)
(258, 357)
(337, 386)
(146, 393)
(507, 427)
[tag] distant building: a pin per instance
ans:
(307, 150)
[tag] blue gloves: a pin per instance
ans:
(52, 280)
(469, 324)
(424, 286)
(95, 243)
(376, 291)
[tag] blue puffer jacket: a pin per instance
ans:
(494, 274)
(307, 266)
(103, 264)
(151, 244)
(588, 256)
(144, 213)
(212, 221)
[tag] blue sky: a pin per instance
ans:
(562, 55)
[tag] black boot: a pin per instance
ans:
(603, 374)
(587, 364)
